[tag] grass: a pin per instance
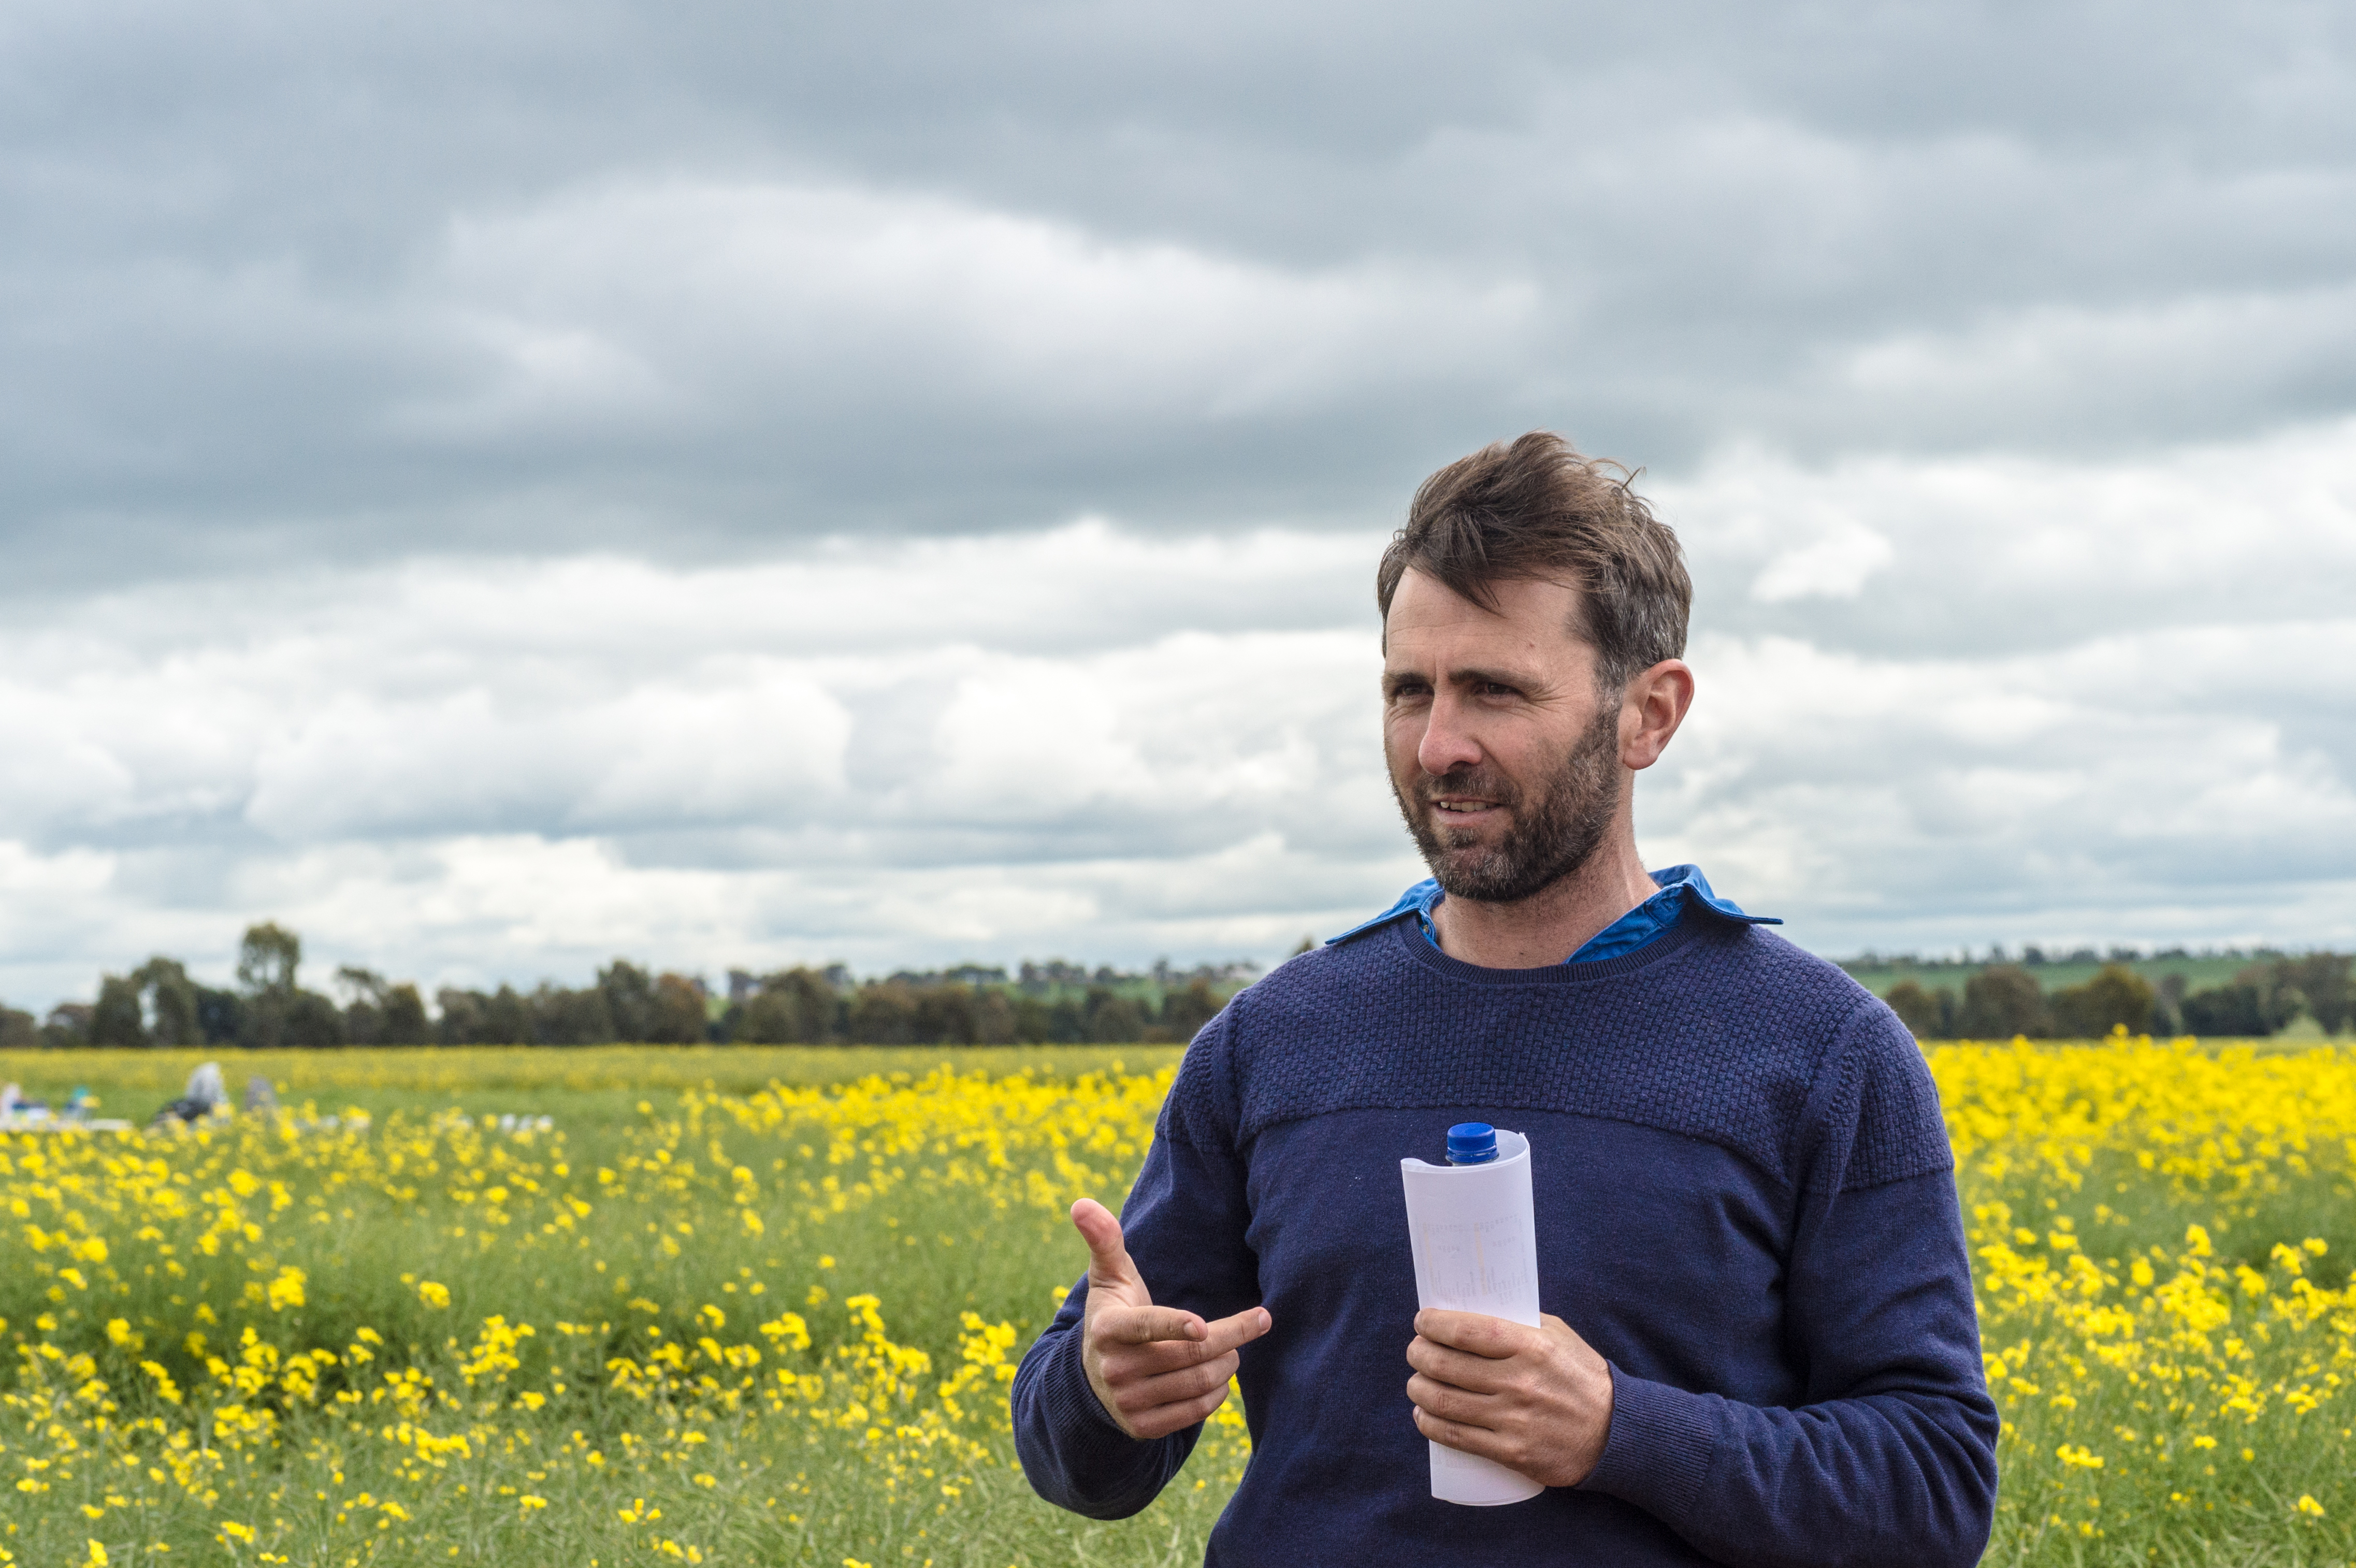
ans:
(757, 1304)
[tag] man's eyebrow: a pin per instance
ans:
(1518, 679)
(1513, 677)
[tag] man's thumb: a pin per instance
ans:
(1108, 1259)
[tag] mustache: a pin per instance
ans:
(1481, 782)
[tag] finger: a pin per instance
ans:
(1134, 1359)
(1147, 1325)
(1460, 1368)
(1108, 1261)
(1162, 1420)
(1172, 1388)
(1242, 1328)
(1476, 1333)
(1466, 1439)
(1451, 1403)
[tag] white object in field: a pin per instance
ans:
(1474, 1232)
(205, 1088)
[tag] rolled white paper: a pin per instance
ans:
(1475, 1233)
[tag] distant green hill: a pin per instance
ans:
(2200, 971)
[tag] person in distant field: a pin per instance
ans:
(206, 1095)
(1760, 1344)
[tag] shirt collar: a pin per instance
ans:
(1681, 886)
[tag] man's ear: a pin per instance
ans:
(1652, 706)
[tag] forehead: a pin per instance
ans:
(1534, 620)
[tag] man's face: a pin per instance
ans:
(1504, 758)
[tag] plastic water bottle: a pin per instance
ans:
(1471, 1143)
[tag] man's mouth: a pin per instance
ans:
(1458, 806)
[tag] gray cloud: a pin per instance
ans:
(348, 282)
(1941, 703)
(749, 484)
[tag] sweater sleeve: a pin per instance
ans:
(1892, 1456)
(1184, 1224)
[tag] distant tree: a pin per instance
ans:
(2115, 998)
(993, 1019)
(2003, 1001)
(1067, 1023)
(630, 993)
(884, 1013)
(1116, 1020)
(562, 1016)
(17, 1031)
(404, 1016)
(364, 993)
(945, 1015)
(1034, 1021)
(462, 1015)
(1184, 1013)
(115, 1020)
(2279, 997)
(220, 1016)
(2322, 981)
(167, 1002)
(2239, 1010)
(2168, 1004)
(311, 1022)
(1917, 1009)
(680, 1017)
(507, 1020)
(792, 1007)
(66, 1025)
(268, 957)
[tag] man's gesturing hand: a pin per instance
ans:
(1535, 1399)
(1156, 1370)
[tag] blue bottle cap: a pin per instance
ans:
(1471, 1143)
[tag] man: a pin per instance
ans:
(1759, 1344)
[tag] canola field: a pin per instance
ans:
(761, 1305)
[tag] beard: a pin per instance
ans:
(1552, 834)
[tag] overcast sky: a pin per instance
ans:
(736, 486)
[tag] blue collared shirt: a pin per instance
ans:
(1681, 886)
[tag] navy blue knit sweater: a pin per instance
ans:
(1744, 1203)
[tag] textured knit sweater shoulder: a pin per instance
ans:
(1745, 1204)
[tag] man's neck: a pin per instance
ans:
(1552, 925)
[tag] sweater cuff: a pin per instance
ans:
(1658, 1449)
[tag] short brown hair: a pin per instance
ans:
(1534, 508)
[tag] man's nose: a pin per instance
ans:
(1446, 743)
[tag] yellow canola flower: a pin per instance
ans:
(2151, 1301)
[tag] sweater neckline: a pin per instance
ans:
(1412, 941)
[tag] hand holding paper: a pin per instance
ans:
(1535, 1399)
(1473, 1230)
(1156, 1370)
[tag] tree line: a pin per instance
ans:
(2005, 1000)
(160, 1005)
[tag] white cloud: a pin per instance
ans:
(1834, 566)
(640, 302)
(1941, 702)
